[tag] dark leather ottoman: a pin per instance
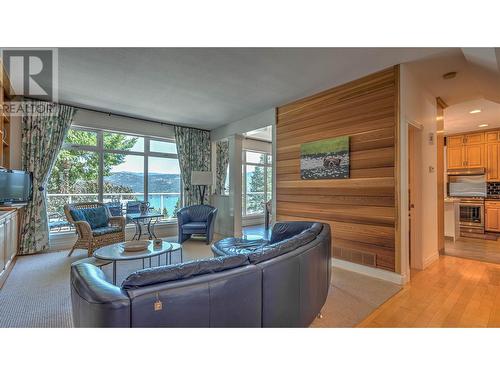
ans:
(232, 246)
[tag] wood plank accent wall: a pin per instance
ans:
(362, 210)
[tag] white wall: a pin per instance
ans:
(418, 106)
(100, 120)
(247, 124)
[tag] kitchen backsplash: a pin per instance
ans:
(493, 188)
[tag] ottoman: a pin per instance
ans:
(232, 246)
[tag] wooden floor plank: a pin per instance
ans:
(452, 292)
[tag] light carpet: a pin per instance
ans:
(37, 292)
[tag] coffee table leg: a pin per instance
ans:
(181, 255)
(142, 263)
(139, 226)
(114, 272)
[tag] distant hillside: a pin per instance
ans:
(158, 182)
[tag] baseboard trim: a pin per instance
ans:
(430, 259)
(392, 277)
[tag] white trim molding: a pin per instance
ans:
(371, 271)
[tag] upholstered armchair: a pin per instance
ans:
(197, 219)
(95, 226)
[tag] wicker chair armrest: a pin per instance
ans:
(117, 221)
(84, 228)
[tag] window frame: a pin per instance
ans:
(267, 164)
(101, 150)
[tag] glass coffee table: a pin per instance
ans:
(116, 253)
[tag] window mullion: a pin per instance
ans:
(146, 167)
(100, 183)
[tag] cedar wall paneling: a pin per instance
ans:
(362, 210)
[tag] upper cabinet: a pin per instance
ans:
(466, 151)
(475, 150)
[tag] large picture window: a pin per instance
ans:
(113, 168)
(257, 182)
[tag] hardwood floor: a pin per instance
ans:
(452, 292)
(474, 248)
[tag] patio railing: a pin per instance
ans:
(56, 202)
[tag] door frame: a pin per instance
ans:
(414, 215)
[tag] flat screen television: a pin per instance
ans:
(15, 186)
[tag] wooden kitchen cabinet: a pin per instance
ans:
(466, 151)
(455, 157)
(492, 216)
(492, 136)
(492, 162)
(474, 155)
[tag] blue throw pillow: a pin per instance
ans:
(96, 217)
(77, 215)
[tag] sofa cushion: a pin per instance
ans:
(97, 217)
(195, 225)
(233, 245)
(105, 230)
(199, 212)
(283, 230)
(77, 214)
(279, 248)
(185, 270)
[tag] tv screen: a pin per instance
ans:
(15, 186)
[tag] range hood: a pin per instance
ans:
(467, 172)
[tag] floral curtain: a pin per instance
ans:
(194, 151)
(43, 133)
(222, 160)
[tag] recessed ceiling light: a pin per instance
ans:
(475, 111)
(483, 125)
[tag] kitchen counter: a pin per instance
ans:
(451, 200)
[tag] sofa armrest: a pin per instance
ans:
(95, 301)
(83, 228)
(118, 221)
(183, 216)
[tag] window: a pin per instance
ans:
(113, 168)
(257, 182)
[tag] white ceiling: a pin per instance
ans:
(457, 118)
(210, 87)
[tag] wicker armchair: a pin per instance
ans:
(91, 239)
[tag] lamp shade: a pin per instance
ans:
(201, 178)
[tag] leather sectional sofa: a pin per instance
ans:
(280, 283)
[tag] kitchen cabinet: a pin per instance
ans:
(492, 136)
(493, 162)
(492, 216)
(466, 151)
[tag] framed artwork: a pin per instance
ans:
(325, 159)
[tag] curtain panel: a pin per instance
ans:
(194, 152)
(222, 160)
(43, 133)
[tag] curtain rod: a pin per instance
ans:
(115, 114)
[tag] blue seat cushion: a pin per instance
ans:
(194, 225)
(156, 275)
(77, 215)
(105, 230)
(97, 217)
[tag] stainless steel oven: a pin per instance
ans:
(472, 213)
